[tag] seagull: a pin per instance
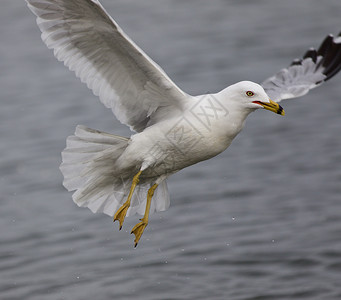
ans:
(172, 130)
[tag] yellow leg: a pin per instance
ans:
(122, 211)
(140, 227)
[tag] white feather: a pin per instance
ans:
(92, 45)
(89, 169)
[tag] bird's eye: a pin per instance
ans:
(250, 94)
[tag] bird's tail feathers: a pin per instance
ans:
(88, 168)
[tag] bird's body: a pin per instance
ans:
(173, 130)
(185, 138)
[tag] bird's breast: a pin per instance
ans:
(178, 143)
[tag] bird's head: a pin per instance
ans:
(250, 95)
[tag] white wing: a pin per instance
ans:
(90, 43)
(304, 74)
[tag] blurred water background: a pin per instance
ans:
(260, 221)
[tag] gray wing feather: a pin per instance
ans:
(316, 67)
(92, 45)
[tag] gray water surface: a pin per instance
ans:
(260, 221)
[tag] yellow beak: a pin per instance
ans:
(272, 106)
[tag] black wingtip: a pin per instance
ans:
(311, 53)
(296, 62)
(327, 58)
(315, 67)
(332, 57)
(329, 53)
(325, 45)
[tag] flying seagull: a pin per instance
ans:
(172, 130)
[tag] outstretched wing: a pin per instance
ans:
(90, 43)
(304, 74)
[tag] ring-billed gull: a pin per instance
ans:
(173, 130)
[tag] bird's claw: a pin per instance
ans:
(121, 214)
(138, 230)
